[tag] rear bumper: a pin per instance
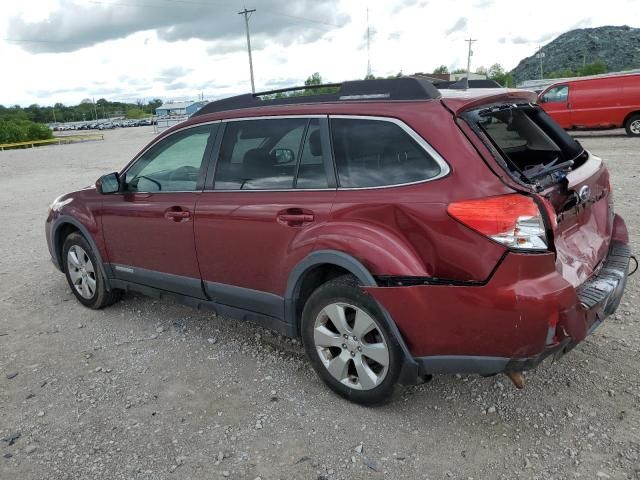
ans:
(599, 296)
(524, 314)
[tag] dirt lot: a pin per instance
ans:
(152, 390)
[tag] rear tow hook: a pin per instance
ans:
(517, 378)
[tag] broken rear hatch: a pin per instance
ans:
(540, 158)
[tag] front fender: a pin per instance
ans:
(79, 210)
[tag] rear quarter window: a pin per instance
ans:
(376, 153)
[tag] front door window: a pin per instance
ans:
(557, 94)
(173, 165)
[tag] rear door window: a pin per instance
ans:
(375, 153)
(259, 154)
(272, 154)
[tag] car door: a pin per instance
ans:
(274, 186)
(148, 225)
(557, 103)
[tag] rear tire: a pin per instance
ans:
(632, 125)
(83, 274)
(348, 343)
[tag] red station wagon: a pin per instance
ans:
(595, 103)
(400, 230)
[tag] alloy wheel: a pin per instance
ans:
(81, 272)
(635, 127)
(351, 346)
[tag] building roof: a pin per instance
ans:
(176, 105)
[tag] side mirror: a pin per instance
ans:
(284, 155)
(109, 183)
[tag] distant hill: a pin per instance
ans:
(617, 47)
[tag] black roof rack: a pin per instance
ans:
(461, 84)
(403, 88)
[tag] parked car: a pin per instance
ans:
(401, 231)
(595, 103)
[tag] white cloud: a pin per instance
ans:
(158, 58)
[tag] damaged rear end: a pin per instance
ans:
(566, 252)
(572, 189)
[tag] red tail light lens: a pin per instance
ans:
(512, 220)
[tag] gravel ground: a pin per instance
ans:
(151, 390)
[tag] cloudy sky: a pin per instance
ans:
(66, 50)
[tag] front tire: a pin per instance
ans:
(348, 343)
(82, 270)
(632, 126)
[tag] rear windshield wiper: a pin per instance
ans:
(548, 170)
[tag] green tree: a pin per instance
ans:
(16, 130)
(441, 69)
(315, 79)
(135, 112)
(594, 68)
(496, 72)
(153, 104)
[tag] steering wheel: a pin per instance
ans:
(150, 179)
(186, 172)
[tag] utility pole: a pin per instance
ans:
(368, 47)
(94, 108)
(470, 41)
(247, 16)
(540, 55)
(54, 114)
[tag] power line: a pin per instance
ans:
(247, 16)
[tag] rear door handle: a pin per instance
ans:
(177, 214)
(295, 217)
(292, 217)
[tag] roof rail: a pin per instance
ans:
(403, 88)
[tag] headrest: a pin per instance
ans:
(256, 162)
(315, 143)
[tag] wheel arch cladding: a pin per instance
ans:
(66, 225)
(332, 263)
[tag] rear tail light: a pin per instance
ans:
(513, 220)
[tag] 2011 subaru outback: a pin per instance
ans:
(401, 231)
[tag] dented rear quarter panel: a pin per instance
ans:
(507, 317)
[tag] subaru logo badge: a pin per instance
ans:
(584, 193)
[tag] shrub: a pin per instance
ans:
(13, 131)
